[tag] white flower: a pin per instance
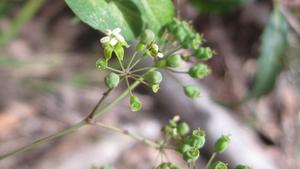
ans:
(113, 37)
(155, 47)
(160, 55)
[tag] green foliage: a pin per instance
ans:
(218, 5)
(273, 45)
(131, 16)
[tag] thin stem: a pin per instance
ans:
(140, 69)
(131, 60)
(176, 71)
(114, 70)
(128, 85)
(128, 133)
(210, 160)
(140, 80)
(173, 77)
(138, 61)
(104, 96)
(45, 140)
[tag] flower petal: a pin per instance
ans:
(105, 39)
(120, 38)
(116, 31)
(108, 32)
(160, 55)
(113, 41)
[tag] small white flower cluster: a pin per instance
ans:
(113, 37)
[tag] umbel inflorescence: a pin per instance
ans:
(177, 46)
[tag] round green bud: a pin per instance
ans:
(167, 166)
(174, 61)
(180, 33)
(183, 128)
(112, 80)
(184, 148)
(187, 42)
(101, 64)
(135, 103)
(196, 139)
(147, 36)
(222, 144)
(155, 88)
(153, 77)
(191, 91)
(161, 63)
(242, 167)
(173, 26)
(204, 53)
(218, 165)
(191, 155)
(140, 47)
(199, 71)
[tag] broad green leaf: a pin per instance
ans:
(156, 13)
(273, 45)
(218, 5)
(130, 15)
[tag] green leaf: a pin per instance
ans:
(274, 43)
(218, 5)
(130, 16)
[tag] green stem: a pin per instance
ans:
(138, 61)
(114, 70)
(128, 133)
(210, 160)
(140, 69)
(131, 60)
(26, 13)
(45, 140)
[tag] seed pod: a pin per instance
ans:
(147, 37)
(161, 63)
(191, 155)
(191, 91)
(204, 53)
(153, 77)
(112, 80)
(167, 166)
(180, 33)
(222, 144)
(140, 47)
(196, 139)
(242, 167)
(199, 71)
(218, 165)
(174, 61)
(101, 64)
(183, 128)
(135, 103)
(184, 148)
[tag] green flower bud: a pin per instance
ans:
(101, 64)
(112, 80)
(196, 139)
(242, 167)
(191, 91)
(140, 47)
(199, 71)
(174, 61)
(184, 148)
(222, 144)
(191, 155)
(180, 33)
(192, 41)
(218, 165)
(183, 128)
(153, 77)
(204, 53)
(161, 63)
(167, 166)
(135, 103)
(147, 36)
(173, 26)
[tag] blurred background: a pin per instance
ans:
(48, 81)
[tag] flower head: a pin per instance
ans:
(113, 37)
